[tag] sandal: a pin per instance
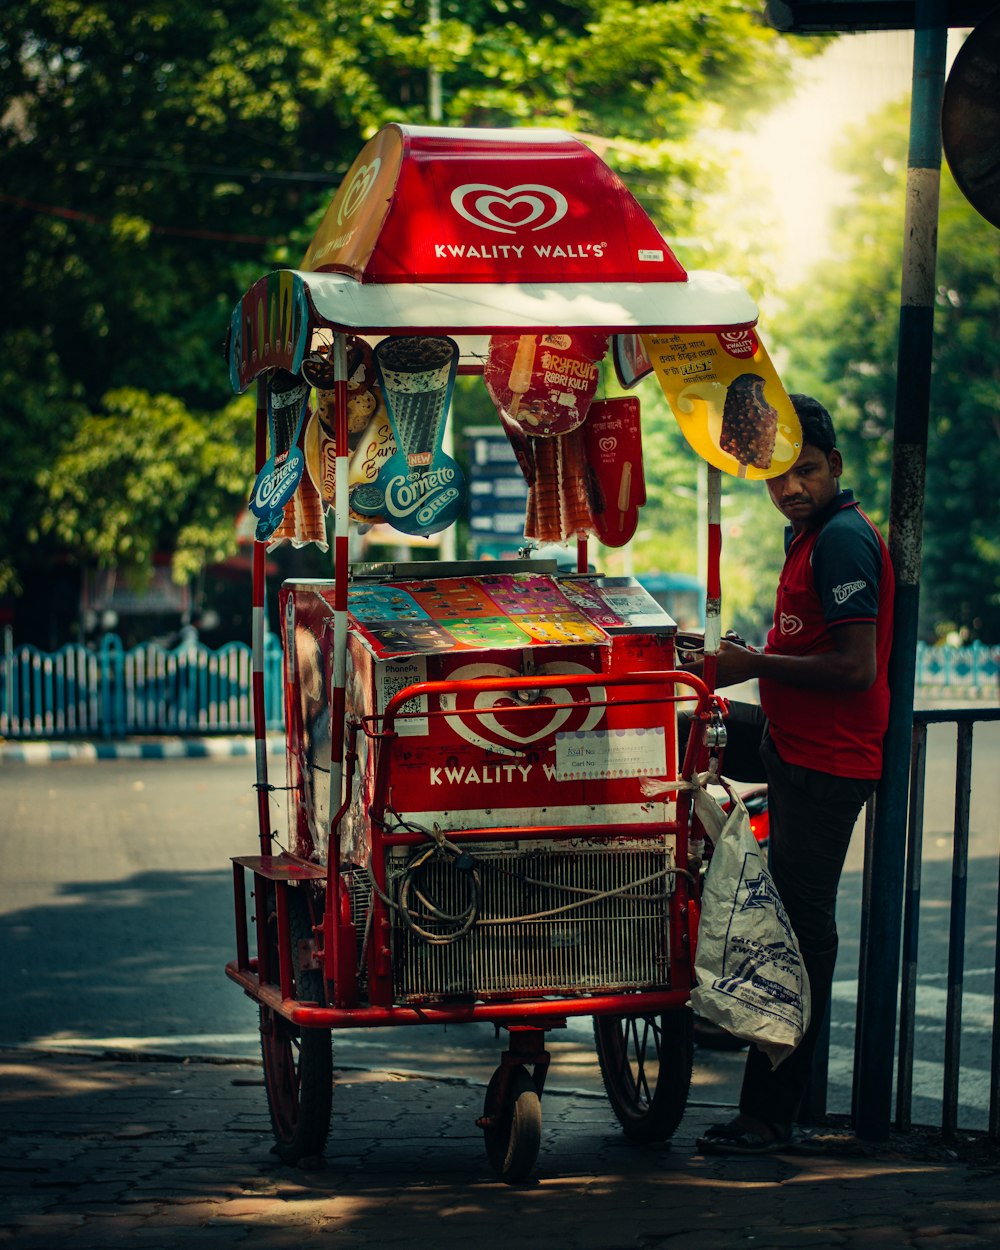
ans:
(735, 1139)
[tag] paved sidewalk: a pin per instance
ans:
(100, 1153)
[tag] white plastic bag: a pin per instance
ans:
(748, 966)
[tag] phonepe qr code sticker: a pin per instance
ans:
(396, 676)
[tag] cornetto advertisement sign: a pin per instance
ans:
(433, 205)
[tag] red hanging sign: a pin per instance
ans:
(613, 443)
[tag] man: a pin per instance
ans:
(824, 699)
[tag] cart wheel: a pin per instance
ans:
(512, 1141)
(646, 1066)
(298, 1063)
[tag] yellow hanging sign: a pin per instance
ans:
(728, 400)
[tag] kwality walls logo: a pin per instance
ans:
(356, 192)
(506, 210)
(526, 208)
(741, 343)
(529, 206)
(517, 213)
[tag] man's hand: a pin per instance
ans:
(735, 663)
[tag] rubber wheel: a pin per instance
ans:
(513, 1140)
(298, 1063)
(646, 1066)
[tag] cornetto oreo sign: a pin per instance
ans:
(468, 206)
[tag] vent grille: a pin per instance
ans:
(615, 942)
(360, 891)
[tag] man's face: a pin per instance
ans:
(807, 487)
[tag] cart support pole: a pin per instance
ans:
(257, 640)
(713, 576)
(341, 571)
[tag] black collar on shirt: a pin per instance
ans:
(843, 499)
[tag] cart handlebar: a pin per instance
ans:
(544, 681)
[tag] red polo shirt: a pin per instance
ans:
(837, 572)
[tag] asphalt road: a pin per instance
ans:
(116, 916)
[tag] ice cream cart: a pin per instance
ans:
(488, 820)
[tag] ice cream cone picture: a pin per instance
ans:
(728, 400)
(368, 429)
(302, 519)
(613, 450)
(590, 480)
(278, 479)
(420, 489)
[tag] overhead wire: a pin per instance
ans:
(75, 214)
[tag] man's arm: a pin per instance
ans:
(850, 665)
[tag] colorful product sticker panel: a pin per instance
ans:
(487, 613)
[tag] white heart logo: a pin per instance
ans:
(358, 188)
(607, 443)
(789, 624)
(738, 343)
(510, 210)
(474, 728)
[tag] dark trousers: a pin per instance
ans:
(812, 816)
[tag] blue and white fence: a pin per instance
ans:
(973, 671)
(107, 692)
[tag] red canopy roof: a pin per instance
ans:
(425, 204)
(472, 233)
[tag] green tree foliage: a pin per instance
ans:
(118, 499)
(841, 333)
(156, 156)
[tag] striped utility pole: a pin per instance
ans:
(882, 919)
(341, 557)
(258, 630)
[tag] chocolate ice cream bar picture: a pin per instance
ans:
(749, 422)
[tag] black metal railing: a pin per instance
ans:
(814, 1107)
(964, 720)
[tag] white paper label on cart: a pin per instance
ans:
(604, 753)
(396, 675)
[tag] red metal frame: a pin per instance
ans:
(338, 945)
